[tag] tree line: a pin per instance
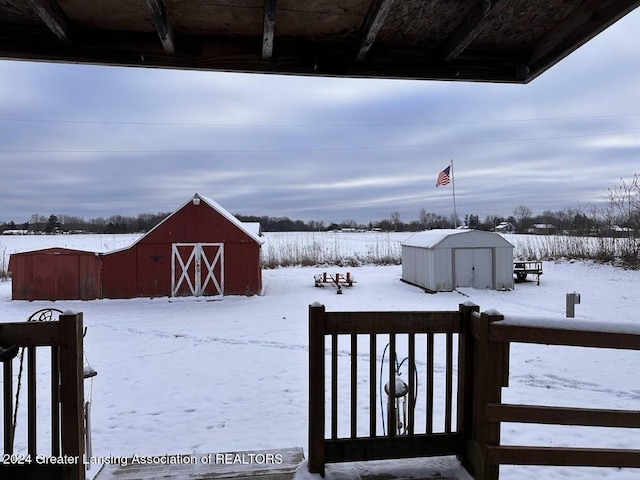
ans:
(621, 213)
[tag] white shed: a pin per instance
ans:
(442, 260)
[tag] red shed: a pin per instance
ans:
(55, 274)
(200, 249)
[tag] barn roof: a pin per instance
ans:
(438, 237)
(472, 40)
(248, 229)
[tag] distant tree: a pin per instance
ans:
(490, 222)
(70, 223)
(395, 220)
(471, 221)
(37, 222)
(522, 215)
(624, 204)
(53, 225)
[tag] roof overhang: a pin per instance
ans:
(479, 40)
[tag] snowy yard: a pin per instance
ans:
(187, 375)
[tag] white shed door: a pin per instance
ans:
(197, 269)
(473, 267)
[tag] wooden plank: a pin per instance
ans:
(268, 29)
(403, 446)
(163, 25)
(471, 26)
(579, 457)
(31, 402)
(240, 55)
(72, 391)
(563, 415)
(491, 377)
(466, 374)
(391, 393)
(504, 332)
(412, 383)
(316, 388)
(392, 322)
(371, 26)
(373, 357)
(272, 464)
(334, 386)
(429, 375)
(483, 381)
(52, 15)
(448, 383)
(7, 403)
(55, 402)
(354, 386)
(30, 334)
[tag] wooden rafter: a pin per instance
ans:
(371, 26)
(584, 23)
(269, 28)
(163, 25)
(471, 26)
(53, 16)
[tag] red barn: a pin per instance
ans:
(198, 250)
(55, 274)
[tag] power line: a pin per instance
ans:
(327, 149)
(345, 125)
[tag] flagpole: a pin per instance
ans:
(453, 185)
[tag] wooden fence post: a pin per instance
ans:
(316, 388)
(466, 375)
(490, 378)
(72, 392)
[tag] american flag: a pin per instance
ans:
(443, 177)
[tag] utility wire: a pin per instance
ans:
(345, 125)
(326, 149)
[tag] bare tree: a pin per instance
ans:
(522, 214)
(395, 219)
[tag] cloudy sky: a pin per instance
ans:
(99, 141)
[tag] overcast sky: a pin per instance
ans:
(99, 141)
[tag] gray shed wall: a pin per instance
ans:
(433, 268)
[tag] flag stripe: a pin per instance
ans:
(443, 177)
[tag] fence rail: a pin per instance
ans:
(64, 340)
(493, 335)
(473, 385)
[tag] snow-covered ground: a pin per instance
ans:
(182, 376)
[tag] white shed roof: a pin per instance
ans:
(455, 238)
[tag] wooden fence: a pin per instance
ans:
(492, 335)
(473, 385)
(64, 340)
(417, 440)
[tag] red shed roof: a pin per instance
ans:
(247, 229)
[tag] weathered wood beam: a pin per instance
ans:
(269, 28)
(472, 25)
(584, 23)
(211, 54)
(53, 16)
(371, 26)
(163, 25)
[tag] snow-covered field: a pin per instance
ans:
(194, 376)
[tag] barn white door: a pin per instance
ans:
(473, 267)
(197, 269)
